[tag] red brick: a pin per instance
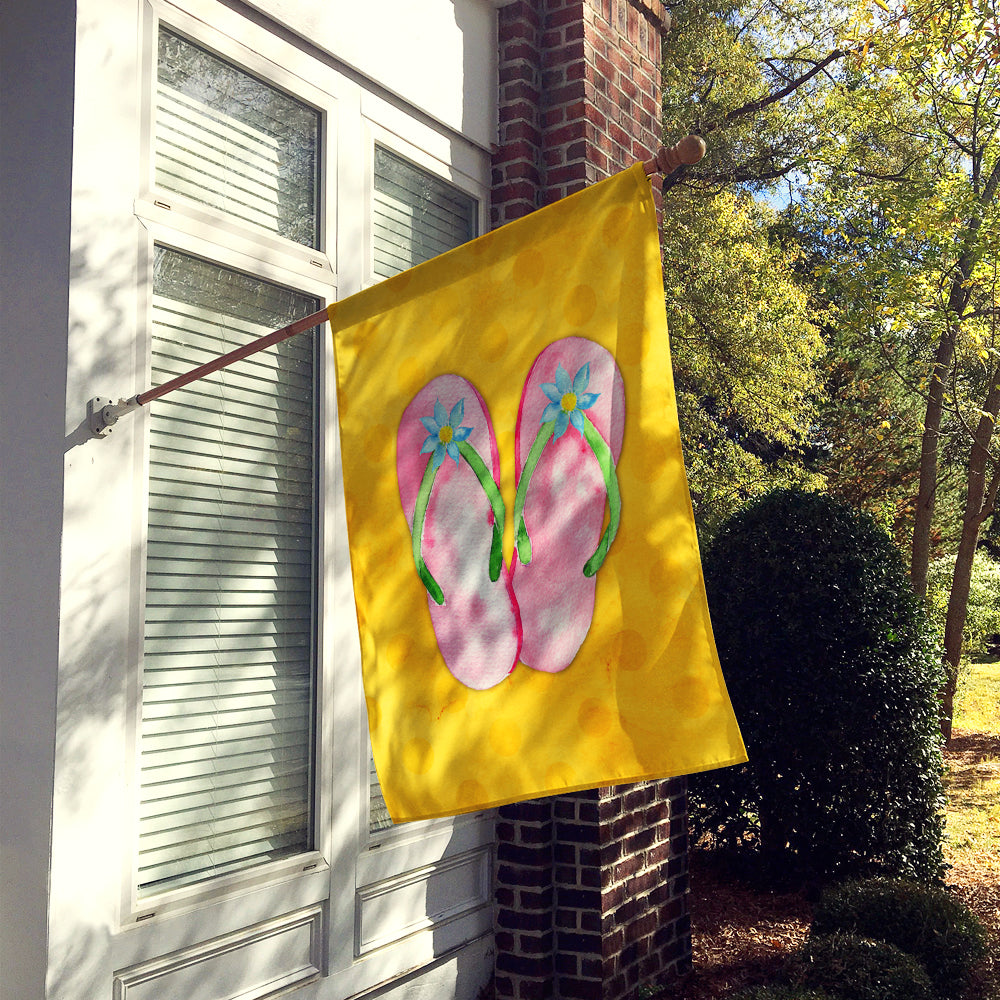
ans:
(528, 856)
(570, 52)
(658, 854)
(589, 944)
(510, 152)
(553, 116)
(522, 130)
(642, 882)
(535, 944)
(581, 989)
(530, 899)
(572, 14)
(641, 927)
(570, 132)
(613, 896)
(640, 840)
(554, 77)
(537, 966)
(567, 174)
(520, 920)
(516, 875)
(521, 90)
(540, 989)
(580, 898)
(517, 49)
(599, 97)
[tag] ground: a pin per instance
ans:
(742, 935)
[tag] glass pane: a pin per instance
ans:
(228, 679)
(231, 141)
(416, 215)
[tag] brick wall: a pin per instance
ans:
(579, 96)
(591, 893)
(591, 888)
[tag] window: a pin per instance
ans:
(228, 680)
(273, 184)
(229, 647)
(415, 216)
(225, 139)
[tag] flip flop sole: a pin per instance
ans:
(564, 505)
(476, 626)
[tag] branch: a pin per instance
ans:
(898, 176)
(754, 106)
(722, 179)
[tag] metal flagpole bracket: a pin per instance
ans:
(103, 413)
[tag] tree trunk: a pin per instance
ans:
(979, 501)
(920, 553)
(958, 299)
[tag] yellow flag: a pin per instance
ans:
(529, 591)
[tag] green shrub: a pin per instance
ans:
(926, 922)
(856, 968)
(834, 674)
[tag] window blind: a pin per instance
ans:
(416, 216)
(228, 654)
(228, 140)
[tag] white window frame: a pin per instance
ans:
(180, 224)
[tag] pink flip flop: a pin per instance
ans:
(569, 437)
(447, 466)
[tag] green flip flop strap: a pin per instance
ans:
(417, 533)
(606, 462)
(492, 492)
(521, 537)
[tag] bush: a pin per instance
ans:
(925, 922)
(856, 968)
(834, 674)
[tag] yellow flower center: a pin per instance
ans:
(446, 434)
(568, 402)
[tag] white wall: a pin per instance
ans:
(416, 49)
(71, 294)
(36, 109)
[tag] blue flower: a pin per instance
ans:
(568, 400)
(444, 432)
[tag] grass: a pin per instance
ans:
(973, 784)
(977, 701)
(973, 811)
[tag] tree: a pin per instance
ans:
(746, 76)
(746, 354)
(914, 188)
(880, 120)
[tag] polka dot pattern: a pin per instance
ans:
(643, 696)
